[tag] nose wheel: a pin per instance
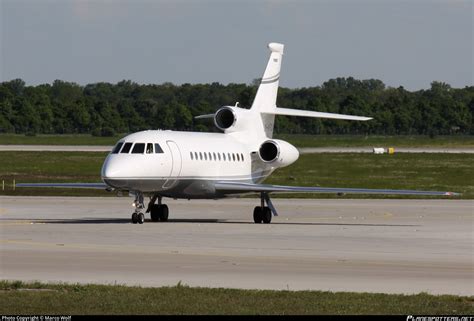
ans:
(138, 218)
(137, 215)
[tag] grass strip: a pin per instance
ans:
(63, 299)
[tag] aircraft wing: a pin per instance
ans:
(64, 185)
(226, 186)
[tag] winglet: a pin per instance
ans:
(452, 194)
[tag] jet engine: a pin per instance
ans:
(231, 119)
(225, 118)
(278, 153)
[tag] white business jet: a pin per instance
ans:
(194, 165)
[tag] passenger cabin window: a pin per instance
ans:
(138, 148)
(223, 156)
(149, 148)
(200, 155)
(117, 148)
(126, 148)
(191, 154)
(242, 157)
(158, 149)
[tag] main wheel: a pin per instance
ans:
(164, 211)
(141, 218)
(155, 213)
(257, 214)
(266, 215)
(134, 218)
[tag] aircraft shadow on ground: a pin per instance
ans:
(173, 221)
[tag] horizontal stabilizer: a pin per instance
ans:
(248, 187)
(316, 114)
(204, 116)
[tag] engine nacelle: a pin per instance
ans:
(225, 118)
(231, 119)
(278, 152)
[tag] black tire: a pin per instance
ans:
(155, 213)
(141, 218)
(134, 218)
(257, 214)
(164, 211)
(267, 215)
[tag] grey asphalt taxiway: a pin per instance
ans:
(391, 246)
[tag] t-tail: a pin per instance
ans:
(260, 119)
(265, 99)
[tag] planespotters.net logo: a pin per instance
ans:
(439, 318)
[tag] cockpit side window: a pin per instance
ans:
(138, 148)
(158, 149)
(126, 148)
(117, 148)
(149, 148)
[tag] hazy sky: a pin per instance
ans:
(408, 43)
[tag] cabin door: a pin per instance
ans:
(175, 164)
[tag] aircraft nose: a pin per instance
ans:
(110, 169)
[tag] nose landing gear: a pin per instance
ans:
(138, 216)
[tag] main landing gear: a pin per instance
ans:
(158, 212)
(262, 213)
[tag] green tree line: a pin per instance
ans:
(105, 108)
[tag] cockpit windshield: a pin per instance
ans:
(126, 148)
(138, 148)
(117, 148)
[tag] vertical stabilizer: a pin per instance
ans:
(265, 99)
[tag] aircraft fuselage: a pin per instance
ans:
(182, 164)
